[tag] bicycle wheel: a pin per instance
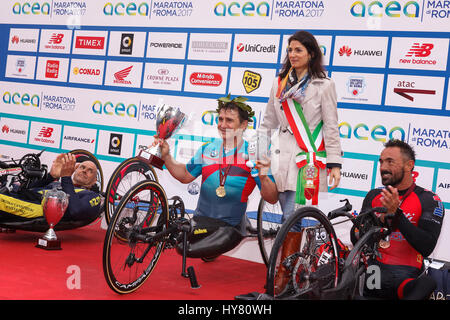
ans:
(268, 224)
(305, 261)
(127, 174)
(131, 248)
(84, 155)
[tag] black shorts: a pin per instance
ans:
(391, 278)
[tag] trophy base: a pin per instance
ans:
(152, 160)
(49, 244)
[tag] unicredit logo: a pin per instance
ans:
(255, 48)
(206, 79)
(84, 42)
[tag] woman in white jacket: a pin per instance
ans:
(303, 109)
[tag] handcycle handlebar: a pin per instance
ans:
(343, 211)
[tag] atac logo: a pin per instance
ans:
(377, 9)
(251, 81)
(248, 9)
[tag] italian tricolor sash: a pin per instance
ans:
(312, 158)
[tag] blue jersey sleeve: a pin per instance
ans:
(194, 166)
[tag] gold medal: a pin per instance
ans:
(220, 191)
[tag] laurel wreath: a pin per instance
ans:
(240, 102)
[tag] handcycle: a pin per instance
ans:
(17, 175)
(322, 267)
(145, 223)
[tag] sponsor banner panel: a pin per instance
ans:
(443, 184)
(207, 79)
(52, 69)
(21, 67)
(23, 39)
(251, 81)
(14, 129)
(360, 51)
(126, 44)
(365, 88)
(79, 138)
(86, 71)
(89, 42)
(356, 174)
(163, 76)
(167, 45)
(123, 73)
(115, 144)
(44, 134)
(415, 91)
(256, 48)
(209, 46)
(366, 133)
(419, 53)
(55, 41)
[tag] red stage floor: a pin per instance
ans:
(29, 273)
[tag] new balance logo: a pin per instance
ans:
(420, 50)
(45, 132)
(56, 38)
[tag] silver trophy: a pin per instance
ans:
(54, 205)
(168, 120)
(258, 149)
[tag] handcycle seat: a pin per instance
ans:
(210, 237)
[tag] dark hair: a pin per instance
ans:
(406, 150)
(315, 67)
(243, 115)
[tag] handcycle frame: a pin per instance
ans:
(27, 169)
(350, 269)
(166, 231)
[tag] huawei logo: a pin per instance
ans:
(345, 50)
(121, 75)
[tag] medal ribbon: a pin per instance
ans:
(223, 175)
(313, 152)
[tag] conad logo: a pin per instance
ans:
(206, 79)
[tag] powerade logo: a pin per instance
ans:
(130, 9)
(29, 7)
(377, 9)
(248, 9)
(377, 133)
(24, 99)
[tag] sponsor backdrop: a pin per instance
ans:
(89, 74)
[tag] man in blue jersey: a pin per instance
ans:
(226, 181)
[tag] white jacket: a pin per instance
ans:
(320, 103)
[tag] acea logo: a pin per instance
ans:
(119, 109)
(211, 118)
(393, 9)
(24, 99)
(362, 131)
(248, 9)
(28, 7)
(129, 9)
